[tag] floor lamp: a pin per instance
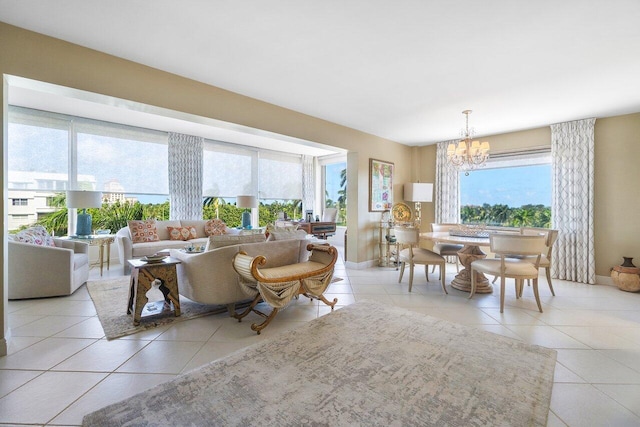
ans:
(418, 192)
(246, 202)
(77, 199)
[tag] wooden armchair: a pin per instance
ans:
(278, 285)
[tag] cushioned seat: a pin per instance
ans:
(44, 266)
(410, 237)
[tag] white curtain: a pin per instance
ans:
(572, 149)
(308, 184)
(447, 187)
(185, 176)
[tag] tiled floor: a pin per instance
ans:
(60, 367)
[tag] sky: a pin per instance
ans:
(332, 183)
(515, 186)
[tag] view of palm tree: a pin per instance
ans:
(503, 215)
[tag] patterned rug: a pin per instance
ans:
(110, 298)
(364, 364)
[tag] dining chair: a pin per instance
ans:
(529, 247)
(413, 254)
(545, 260)
(446, 249)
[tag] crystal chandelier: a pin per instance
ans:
(468, 155)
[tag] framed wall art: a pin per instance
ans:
(380, 185)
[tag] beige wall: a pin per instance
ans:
(617, 178)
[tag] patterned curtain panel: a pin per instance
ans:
(572, 150)
(447, 187)
(308, 184)
(185, 176)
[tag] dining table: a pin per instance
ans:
(470, 252)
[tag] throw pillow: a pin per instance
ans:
(143, 231)
(221, 241)
(215, 227)
(182, 233)
(36, 235)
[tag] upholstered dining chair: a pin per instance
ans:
(446, 249)
(545, 260)
(329, 215)
(528, 247)
(408, 239)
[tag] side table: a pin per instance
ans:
(143, 275)
(100, 240)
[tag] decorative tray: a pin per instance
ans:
(153, 258)
(469, 231)
(195, 251)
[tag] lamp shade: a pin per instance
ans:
(84, 199)
(418, 192)
(247, 202)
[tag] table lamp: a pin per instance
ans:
(246, 202)
(418, 192)
(77, 199)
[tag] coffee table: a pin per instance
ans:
(143, 276)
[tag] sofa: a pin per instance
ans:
(49, 268)
(209, 277)
(127, 249)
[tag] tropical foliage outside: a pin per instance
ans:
(503, 215)
(341, 202)
(114, 216)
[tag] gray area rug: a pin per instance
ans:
(364, 364)
(110, 298)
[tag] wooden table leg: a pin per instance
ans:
(462, 281)
(101, 256)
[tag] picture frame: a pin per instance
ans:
(380, 185)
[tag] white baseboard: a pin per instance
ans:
(604, 280)
(360, 265)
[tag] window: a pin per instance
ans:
(512, 190)
(20, 202)
(334, 180)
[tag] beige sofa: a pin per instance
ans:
(209, 277)
(128, 250)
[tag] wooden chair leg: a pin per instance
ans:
(537, 295)
(442, 277)
(502, 283)
(548, 271)
(249, 309)
(410, 275)
(401, 272)
(426, 271)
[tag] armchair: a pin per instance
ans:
(45, 271)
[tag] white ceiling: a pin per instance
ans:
(403, 70)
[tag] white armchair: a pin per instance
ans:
(45, 271)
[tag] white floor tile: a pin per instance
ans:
(595, 367)
(162, 357)
(12, 379)
(102, 356)
(44, 354)
(43, 398)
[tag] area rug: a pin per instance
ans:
(110, 298)
(364, 364)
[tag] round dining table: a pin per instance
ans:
(470, 252)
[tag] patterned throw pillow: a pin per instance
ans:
(215, 227)
(36, 235)
(143, 231)
(182, 233)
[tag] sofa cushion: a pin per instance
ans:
(227, 240)
(287, 234)
(215, 227)
(36, 235)
(182, 233)
(80, 260)
(143, 231)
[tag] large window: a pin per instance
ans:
(334, 177)
(511, 190)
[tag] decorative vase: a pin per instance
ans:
(626, 276)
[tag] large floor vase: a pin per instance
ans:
(626, 276)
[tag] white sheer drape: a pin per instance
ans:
(185, 176)
(572, 149)
(308, 184)
(447, 187)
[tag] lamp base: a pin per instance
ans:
(246, 219)
(83, 227)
